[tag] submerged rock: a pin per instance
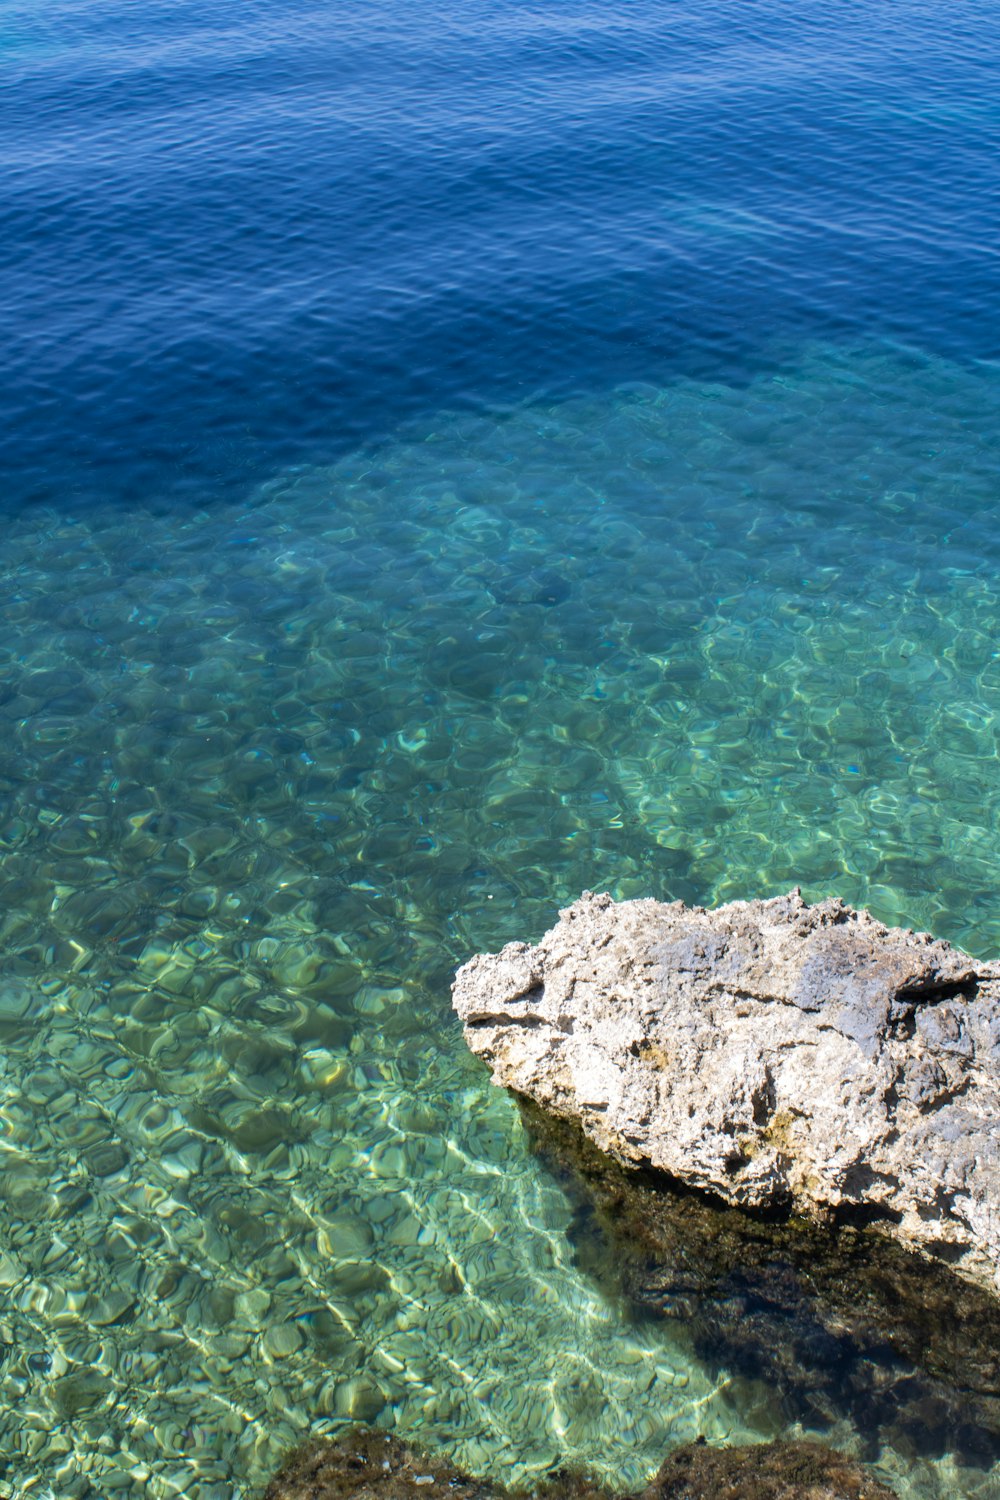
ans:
(773, 1471)
(370, 1465)
(373, 1466)
(842, 1325)
(514, 581)
(783, 1057)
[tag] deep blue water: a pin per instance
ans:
(453, 456)
(237, 236)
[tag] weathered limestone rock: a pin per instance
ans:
(781, 1056)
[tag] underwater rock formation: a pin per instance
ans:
(365, 1464)
(783, 1057)
(373, 1466)
(772, 1471)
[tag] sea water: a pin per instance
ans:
(455, 457)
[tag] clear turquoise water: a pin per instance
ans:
(453, 455)
(271, 771)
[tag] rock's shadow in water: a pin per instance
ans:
(843, 1323)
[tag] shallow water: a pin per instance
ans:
(453, 456)
(271, 772)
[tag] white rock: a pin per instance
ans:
(770, 1052)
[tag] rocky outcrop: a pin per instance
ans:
(373, 1466)
(786, 1058)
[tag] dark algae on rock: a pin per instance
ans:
(772, 1471)
(369, 1465)
(366, 1465)
(842, 1321)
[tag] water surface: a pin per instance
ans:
(454, 457)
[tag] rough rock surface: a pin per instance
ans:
(373, 1466)
(782, 1056)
